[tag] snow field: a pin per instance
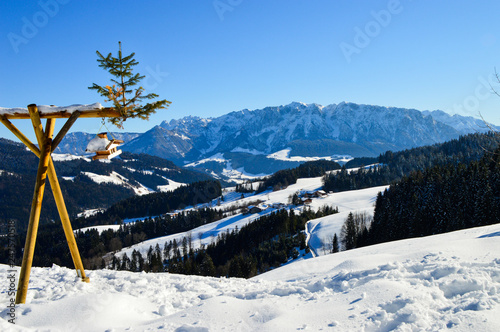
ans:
(171, 186)
(99, 229)
(117, 179)
(68, 157)
(321, 231)
(447, 281)
(201, 236)
(285, 156)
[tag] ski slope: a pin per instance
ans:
(442, 282)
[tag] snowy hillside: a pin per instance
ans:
(320, 231)
(448, 281)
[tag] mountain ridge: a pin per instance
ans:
(346, 122)
(308, 130)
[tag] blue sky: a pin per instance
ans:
(213, 57)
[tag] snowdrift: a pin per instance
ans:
(447, 281)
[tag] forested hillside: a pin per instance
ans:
(266, 243)
(432, 181)
(435, 189)
(155, 204)
(52, 246)
(77, 178)
(392, 166)
(440, 199)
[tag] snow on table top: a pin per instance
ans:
(52, 108)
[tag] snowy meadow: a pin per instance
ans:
(448, 281)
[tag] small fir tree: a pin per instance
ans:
(126, 99)
(335, 244)
(125, 262)
(349, 232)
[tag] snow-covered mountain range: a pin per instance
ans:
(248, 141)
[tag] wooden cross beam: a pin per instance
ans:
(61, 114)
(46, 145)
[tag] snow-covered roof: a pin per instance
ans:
(97, 144)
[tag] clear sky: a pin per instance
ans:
(213, 57)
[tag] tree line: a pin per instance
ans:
(155, 204)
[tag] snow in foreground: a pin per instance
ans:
(448, 281)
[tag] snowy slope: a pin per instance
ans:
(117, 179)
(426, 284)
(201, 236)
(285, 156)
(171, 186)
(448, 281)
(99, 229)
(320, 231)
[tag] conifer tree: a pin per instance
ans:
(335, 244)
(125, 98)
(115, 263)
(134, 262)
(207, 267)
(235, 268)
(125, 262)
(349, 232)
